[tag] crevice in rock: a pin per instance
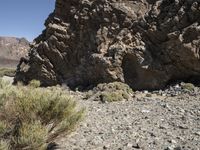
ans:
(129, 66)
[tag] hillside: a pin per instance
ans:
(11, 50)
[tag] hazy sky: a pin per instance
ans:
(24, 18)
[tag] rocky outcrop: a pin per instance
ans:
(144, 43)
(12, 49)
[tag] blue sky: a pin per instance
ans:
(24, 18)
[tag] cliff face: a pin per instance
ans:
(145, 43)
(12, 49)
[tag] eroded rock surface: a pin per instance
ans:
(145, 43)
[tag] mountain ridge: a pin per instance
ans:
(12, 49)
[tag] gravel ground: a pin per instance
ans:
(159, 120)
(149, 121)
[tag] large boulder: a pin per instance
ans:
(144, 43)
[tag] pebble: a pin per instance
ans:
(118, 125)
(198, 133)
(146, 92)
(129, 145)
(178, 148)
(145, 111)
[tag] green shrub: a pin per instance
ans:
(110, 92)
(188, 86)
(32, 136)
(30, 118)
(34, 83)
(4, 145)
(3, 127)
(111, 96)
(114, 86)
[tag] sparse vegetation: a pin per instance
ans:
(112, 96)
(34, 84)
(7, 72)
(30, 117)
(4, 145)
(114, 86)
(111, 92)
(188, 86)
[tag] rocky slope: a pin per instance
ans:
(145, 43)
(12, 49)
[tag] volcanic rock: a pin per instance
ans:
(144, 43)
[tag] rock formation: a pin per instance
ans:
(144, 43)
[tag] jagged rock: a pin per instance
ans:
(144, 43)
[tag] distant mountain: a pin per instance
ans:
(12, 49)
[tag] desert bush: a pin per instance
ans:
(188, 86)
(110, 92)
(7, 72)
(35, 83)
(112, 96)
(4, 145)
(114, 86)
(30, 118)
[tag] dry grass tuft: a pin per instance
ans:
(31, 118)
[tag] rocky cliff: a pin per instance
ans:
(12, 49)
(145, 43)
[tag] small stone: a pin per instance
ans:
(178, 148)
(129, 145)
(180, 138)
(128, 128)
(169, 148)
(197, 133)
(149, 95)
(136, 145)
(152, 134)
(145, 111)
(100, 133)
(177, 86)
(172, 141)
(162, 127)
(183, 127)
(146, 92)
(105, 147)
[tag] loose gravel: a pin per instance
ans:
(149, 121)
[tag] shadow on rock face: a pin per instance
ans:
(130, 68)
(140, 78)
